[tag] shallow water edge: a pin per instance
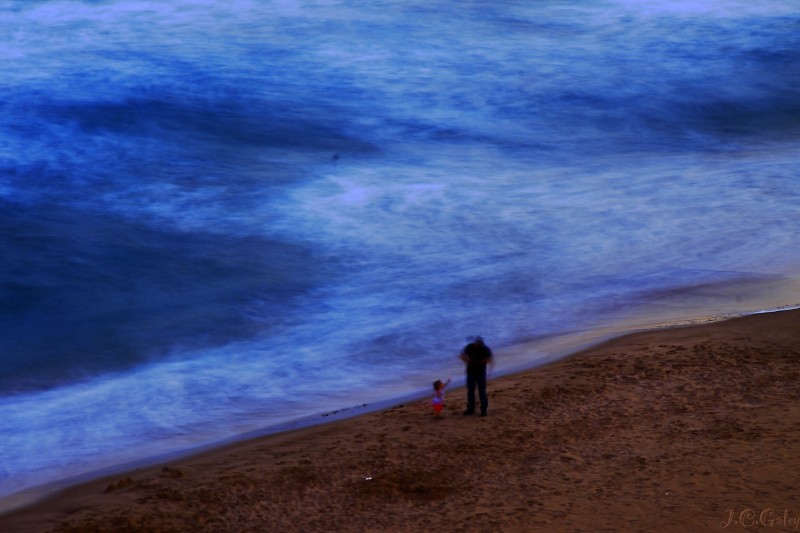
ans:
(731, 300)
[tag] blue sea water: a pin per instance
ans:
(222, 216)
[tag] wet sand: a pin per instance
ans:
(684, 429)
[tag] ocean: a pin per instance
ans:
(222, 217)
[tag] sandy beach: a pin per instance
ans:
(683, 429)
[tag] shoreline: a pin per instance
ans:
(302, 451)
(553, 348)
(763, 295)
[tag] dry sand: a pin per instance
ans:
(686, 429)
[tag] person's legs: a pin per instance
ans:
(481, 382)
(470, 393)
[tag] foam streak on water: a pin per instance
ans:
(218, 217)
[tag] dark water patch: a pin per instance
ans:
(82, 294)
(694, 118)
(764, 118)
(117, 149)
(201, 113)
(220, 122)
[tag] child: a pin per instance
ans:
(438, 395)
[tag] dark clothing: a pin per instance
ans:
(476, 355)
(480, 381)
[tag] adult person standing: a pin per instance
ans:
(476, 355)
